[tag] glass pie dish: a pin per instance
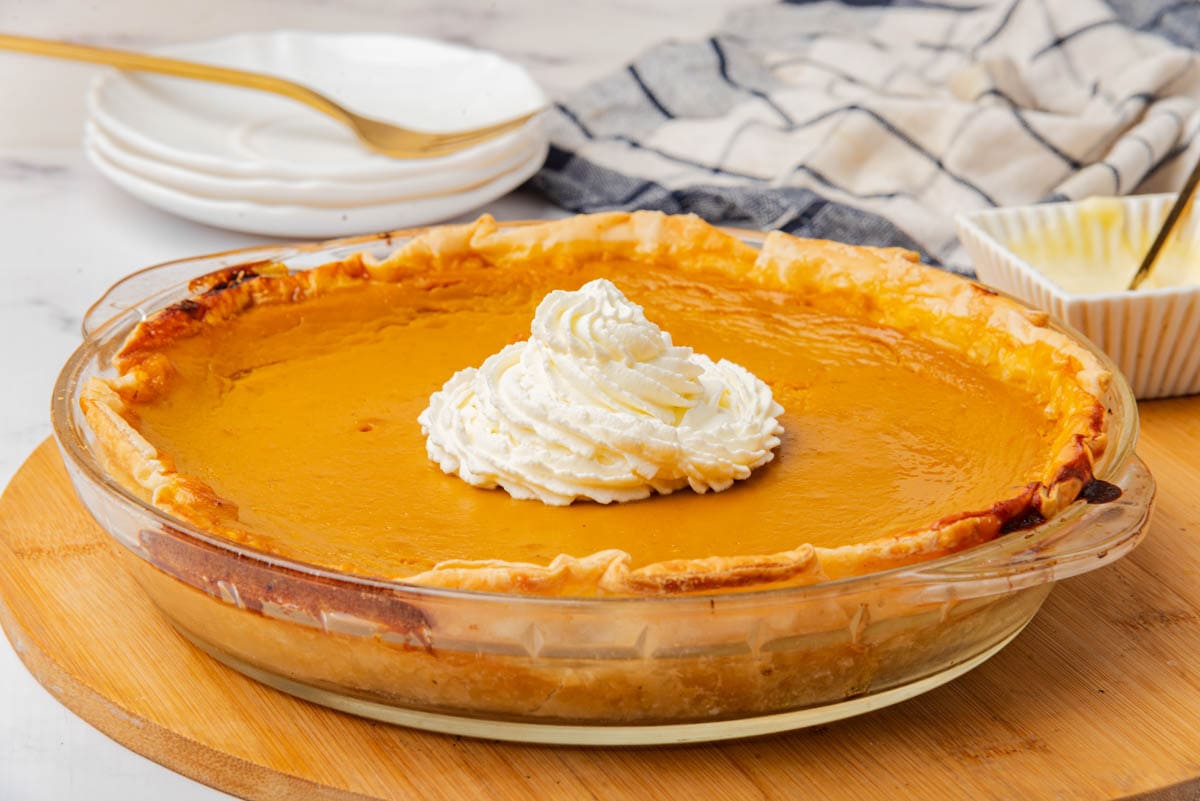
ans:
(600, 671)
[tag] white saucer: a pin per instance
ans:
(316, 192)
(223, 130)
(256, 162)
(312, 222)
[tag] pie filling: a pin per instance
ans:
(300, 419)
(285, 408)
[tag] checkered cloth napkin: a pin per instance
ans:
(876, 122)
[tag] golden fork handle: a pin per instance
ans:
(125, 59)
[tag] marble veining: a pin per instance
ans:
(15, 169)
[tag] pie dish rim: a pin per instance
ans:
(1121, 438)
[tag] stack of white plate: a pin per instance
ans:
(257, 162)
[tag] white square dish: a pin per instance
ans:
(1153, 335)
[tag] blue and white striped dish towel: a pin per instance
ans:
(876, 122)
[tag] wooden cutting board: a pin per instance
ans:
(1098, 698)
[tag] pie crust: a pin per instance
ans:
(884, 286)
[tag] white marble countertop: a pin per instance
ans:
(69, 235)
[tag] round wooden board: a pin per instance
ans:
(1099, 698)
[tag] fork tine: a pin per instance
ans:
(463, 138)
(405, 143)
(491, 130)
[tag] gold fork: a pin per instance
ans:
(1182, 202)
(391, 140)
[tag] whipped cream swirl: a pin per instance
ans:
(599, 404)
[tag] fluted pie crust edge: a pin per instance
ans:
(884, 286)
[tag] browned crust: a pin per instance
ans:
(887, 286)
(282, 592)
